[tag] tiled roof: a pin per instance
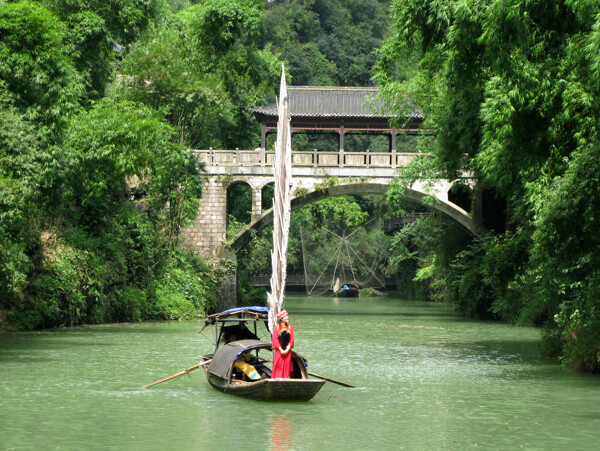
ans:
(331, 101)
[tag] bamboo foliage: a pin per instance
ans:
(281, 203)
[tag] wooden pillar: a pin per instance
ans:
(342, 132)
(263, 136)
(394, 147)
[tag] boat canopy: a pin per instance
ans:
(237, 310)
(231, 324)
(223, 359)
(255, 313)
(239, 313)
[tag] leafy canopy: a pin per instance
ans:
(203, 69)
(509, 87)
(118, 146)
(35, 68)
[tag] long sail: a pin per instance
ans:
(281, 203)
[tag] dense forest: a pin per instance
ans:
(100, 101)
(511, 88)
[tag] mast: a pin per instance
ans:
(282, 170)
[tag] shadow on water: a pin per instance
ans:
(497, 352)
(49, 336)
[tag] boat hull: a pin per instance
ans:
(349, 293)
(269, 389)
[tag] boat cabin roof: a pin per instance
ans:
(227, 354)
(231, 324)
(255, 313)
(350, 285)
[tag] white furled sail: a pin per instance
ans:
(336, 286)
(281, 203)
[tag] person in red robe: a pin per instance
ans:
(282, 344)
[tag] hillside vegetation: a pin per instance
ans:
(100, 101)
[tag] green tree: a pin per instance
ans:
(97, 31)
(194, 102)
(307, 66)
(35, 67)
(327, 42)
(508, 86)
(19, 225)
(203, 69)
(124, 20)
(105, 256)
(89, 45)
(118, 146)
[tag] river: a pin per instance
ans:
(426, 380)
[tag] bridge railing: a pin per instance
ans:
(313, 158)
(265, 281)
(397, 222)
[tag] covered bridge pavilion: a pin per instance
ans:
(341, 110)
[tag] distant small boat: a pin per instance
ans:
(223, 375)
(348, 290)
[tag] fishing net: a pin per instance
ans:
(333, 258)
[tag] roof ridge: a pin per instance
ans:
(334, 101)
(335, 88)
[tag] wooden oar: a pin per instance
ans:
(343, 384)
(181, 373)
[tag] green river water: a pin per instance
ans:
(426, 380)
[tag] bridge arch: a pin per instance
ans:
(449, 209)
(267, 191)
(236, 190)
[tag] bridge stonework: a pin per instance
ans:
(206, 236)
(314, 175)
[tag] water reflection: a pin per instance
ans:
(281, 432)
(337, 300)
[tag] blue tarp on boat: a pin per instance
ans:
(255, 309)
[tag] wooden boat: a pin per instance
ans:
(235, 342)
(348, 290)
(222, 374)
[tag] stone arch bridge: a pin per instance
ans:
(316, 175)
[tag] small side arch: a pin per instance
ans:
(239, 201)
(267, 192)
(461, 194)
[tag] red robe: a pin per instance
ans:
(282, 364)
